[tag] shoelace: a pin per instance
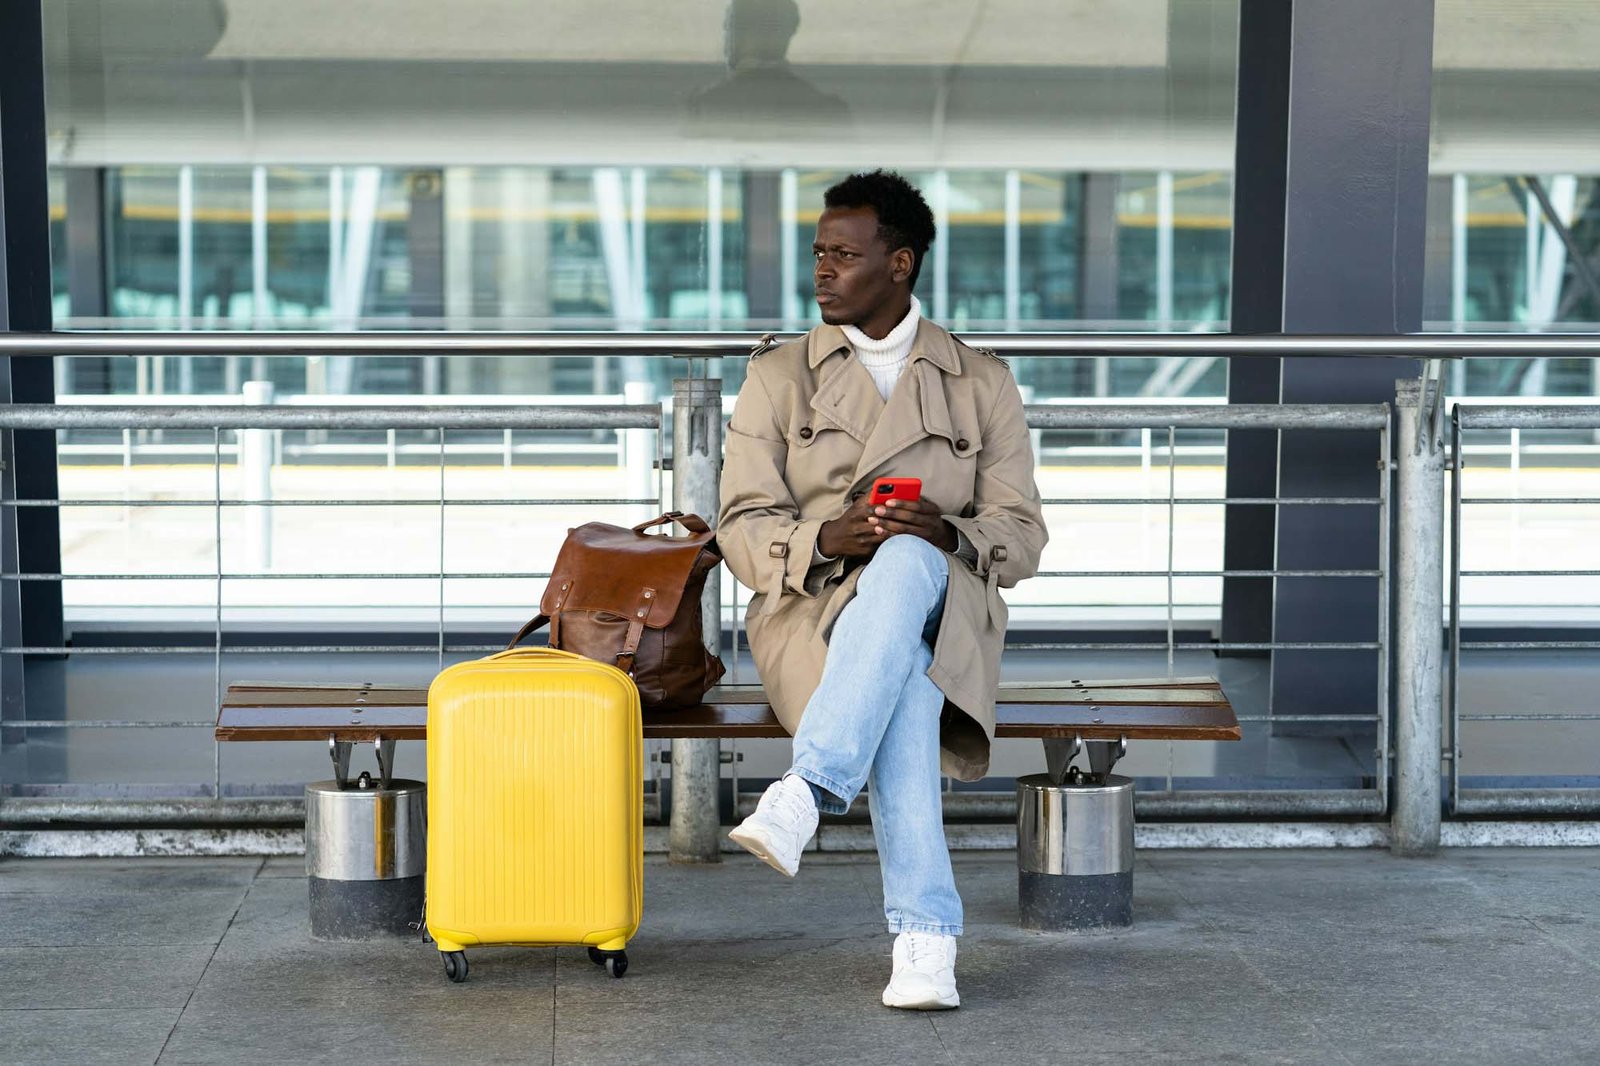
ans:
(924, 949)
(789, 808)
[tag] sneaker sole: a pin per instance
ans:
(758, 847)
(937, 1003)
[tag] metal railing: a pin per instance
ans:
(1415, 576)
(1169, 418)
(1550, 800)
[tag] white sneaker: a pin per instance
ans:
(781, 826)
(924, 973)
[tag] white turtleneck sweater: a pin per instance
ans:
(886, 359)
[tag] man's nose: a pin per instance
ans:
(824, 268)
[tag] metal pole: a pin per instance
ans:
(1419, 573)
(255, 475)
(695, 832)
(637, 451)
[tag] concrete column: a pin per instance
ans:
(695, 834)
(1419, 591)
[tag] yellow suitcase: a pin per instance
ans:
(535, 806)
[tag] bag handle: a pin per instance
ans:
(536, 622)
(692, 522)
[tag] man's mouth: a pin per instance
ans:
(825, 297)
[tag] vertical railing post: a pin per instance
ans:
(695, 833)
(255, 475)
(1419, 585)
(636, 454)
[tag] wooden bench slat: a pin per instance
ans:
(1136, 708)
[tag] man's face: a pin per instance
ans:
(857, 278)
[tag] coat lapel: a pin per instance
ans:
(916, 407)
(845, 395)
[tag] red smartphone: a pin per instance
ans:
(897, 488)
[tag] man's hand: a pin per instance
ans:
(920, 518)
(857, 533)
(853, 535)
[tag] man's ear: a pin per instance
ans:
(900, 264)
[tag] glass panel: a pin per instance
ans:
(1514, 214)
(304, 165)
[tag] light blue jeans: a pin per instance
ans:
(874, 720)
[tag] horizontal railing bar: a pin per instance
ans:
(251, 649)
(1209, 416)
(1529, 645)
(95, 723)
(1584, 801)
(330, 649)
(1530, 573)
(52, 416)
(1209, 573)
(1218, 500)
(213, 576)
(1503, 500)
(251, 811)
(1546, 416)
(1308, 718)
(434, 503)
(732, 343)
(1578, 717)
(1161, 645)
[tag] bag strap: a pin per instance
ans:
(536, 622)
(692, 522)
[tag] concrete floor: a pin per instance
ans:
(1237, 957)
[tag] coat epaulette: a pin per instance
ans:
(981, 351)
(764, 345)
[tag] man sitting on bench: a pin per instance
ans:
(877, 627)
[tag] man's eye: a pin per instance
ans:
(815, 254)
(847, 255)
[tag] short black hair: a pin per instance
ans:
(904, 220)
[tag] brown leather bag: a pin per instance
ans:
(632, 598)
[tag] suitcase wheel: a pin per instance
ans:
(615, 962)
(455, 965)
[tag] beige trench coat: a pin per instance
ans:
(809, 433)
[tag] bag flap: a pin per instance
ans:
(603, 567)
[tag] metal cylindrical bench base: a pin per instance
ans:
(1075, 854)
(365, 855)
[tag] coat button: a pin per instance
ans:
(961, 445)
(805, 433)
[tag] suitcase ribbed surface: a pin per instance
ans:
(534, 802)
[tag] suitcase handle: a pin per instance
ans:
(526, 653)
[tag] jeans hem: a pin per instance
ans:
(925, 927)
(835, 804)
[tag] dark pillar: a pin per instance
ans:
(1440, 255)
(25, 306)
(425, 255)
(86, 267)
(763, 246)
(1097, 274)
(1260, 182)
(425, 243)
(1354, 208)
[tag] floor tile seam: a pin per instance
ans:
(1550, 936)
(243, 898)
(42, 1010)
(1560, 942)
(933, 1023)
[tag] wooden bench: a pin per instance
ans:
(1078, 883)
(1096, 716)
